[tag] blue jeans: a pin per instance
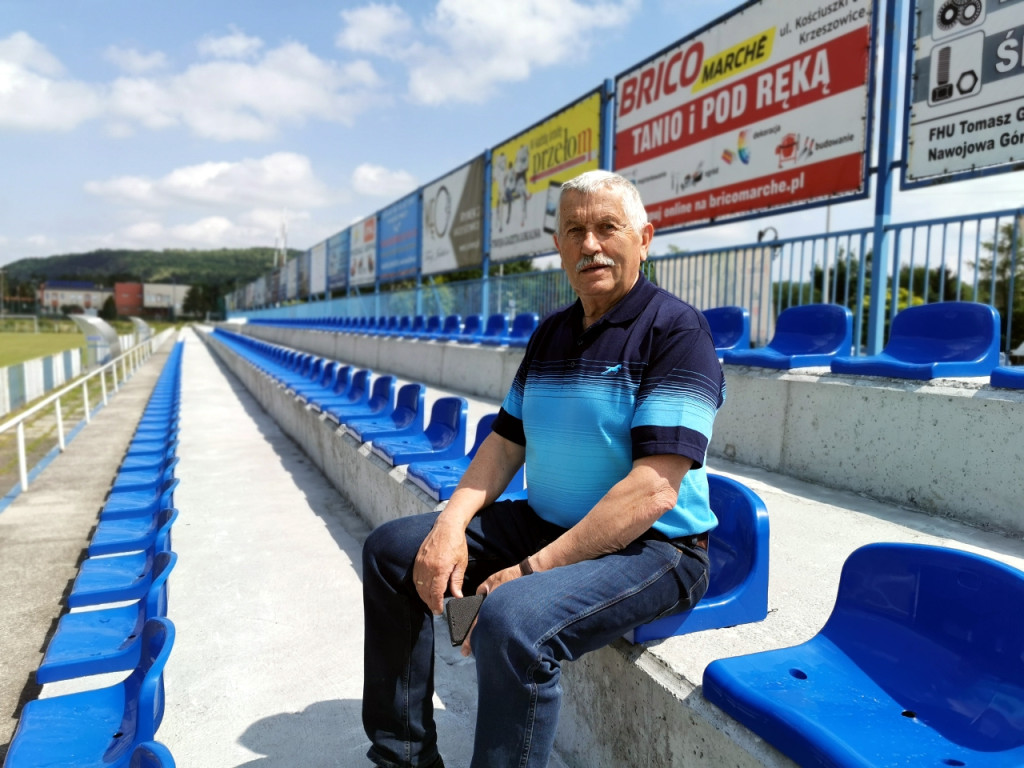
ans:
(525, 629)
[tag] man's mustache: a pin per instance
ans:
(597, 259)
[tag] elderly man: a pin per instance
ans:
(611, 410)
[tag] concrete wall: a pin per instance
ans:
(942, 447)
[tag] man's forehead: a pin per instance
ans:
(602, 203)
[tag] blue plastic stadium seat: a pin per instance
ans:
(323, 384)
(431, 328)
(443, 438)
(116, 579)
(151, 754)
(950, 338)
(417, 327)
(131, 534)
(99, 727)
(450, 329)
(139, 504)
(106, 639)
(357, 392)
(920, 664)
(523, 326)
(439, 478)
(730, 327)
(144, 478)
(471, 329)
(738, 547)
(381, 401)
(495, 331)
(805, 336)
(406, 418)
(1007, 377)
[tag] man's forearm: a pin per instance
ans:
(628, 510)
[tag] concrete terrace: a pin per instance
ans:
(266, 668)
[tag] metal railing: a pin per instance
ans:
(967, 258)
(119, 370)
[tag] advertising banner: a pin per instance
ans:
(362, 252)
(291, 278)
(966, 110)
(453, 220)
(765, 108)
(337, 261)
(526, 173)
(318, 269)
(399, 239)
(302, 270)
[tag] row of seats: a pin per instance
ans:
(921, 662)
(435, 456)
(497, 330)
(928, 341)
(123, 584)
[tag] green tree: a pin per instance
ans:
(1001, 282)
(109, 309)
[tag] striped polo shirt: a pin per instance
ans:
(644, 380)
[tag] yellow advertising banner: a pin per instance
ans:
(527, 172)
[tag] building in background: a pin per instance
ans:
(79, 296)
(128, 299)
(162, 300)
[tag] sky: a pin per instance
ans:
(222, 123)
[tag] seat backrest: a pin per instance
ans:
(472, 326)
(419, 324)
(733, 546)
(342, 379)
(433, 324)
(447, 421)
(730, 326)
(383, 394)
(483, 429)
(409, 407)
(452, 325)
(359, 392)
(497, 325)
(156, 596)
(144, 688)
(524, 324)
(813, 329)
(404, 324)
(948, 331)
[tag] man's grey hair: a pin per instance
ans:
(592, 181)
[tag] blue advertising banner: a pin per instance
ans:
(337, 260)
(399, 239)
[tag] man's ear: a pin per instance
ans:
(646, 235)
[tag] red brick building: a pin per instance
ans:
(128, 298)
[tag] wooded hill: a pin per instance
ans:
(221, 267)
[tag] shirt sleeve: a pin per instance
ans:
(681, 390)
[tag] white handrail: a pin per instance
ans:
(135, 356)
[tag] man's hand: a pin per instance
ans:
(492, 583)
(441, 564)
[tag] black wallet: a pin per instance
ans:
(460, 612)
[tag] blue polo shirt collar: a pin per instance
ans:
(623, 313)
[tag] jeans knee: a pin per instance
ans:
(393, 544)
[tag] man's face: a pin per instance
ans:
(601, 253)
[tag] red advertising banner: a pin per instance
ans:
(767, 108)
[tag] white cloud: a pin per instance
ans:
(276, 180)
(224, 99)
(377, 181)
(135, 62)
(237, 45)
(33, 96)
(375, 28)
(471, 47)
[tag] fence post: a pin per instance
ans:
(22, 462)
(85, 399)
(892, 34)
(60, 425)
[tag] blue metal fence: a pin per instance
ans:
(964, 258)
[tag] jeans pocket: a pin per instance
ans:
(691, 589)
